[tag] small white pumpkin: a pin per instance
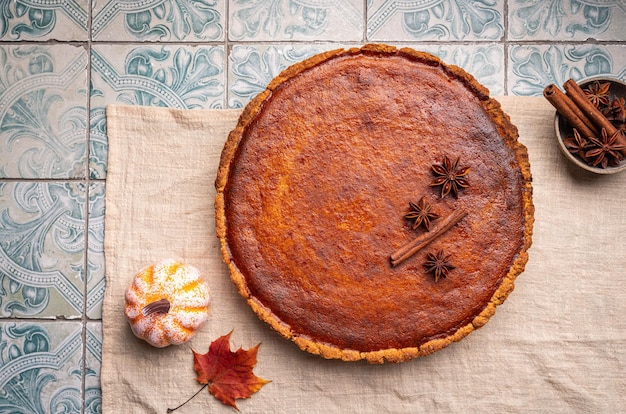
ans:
(167, 303)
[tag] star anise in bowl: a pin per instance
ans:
(605, 151)
(598, 93)
(577, 145)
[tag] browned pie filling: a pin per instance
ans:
(316, 179)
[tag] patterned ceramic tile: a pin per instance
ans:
(43, 115)
(95, 251)
(276, 20)
(403, 20)
(42, 248)
(185, 77)
(97, 140)
(44, 20)
(93, 362)
(40, 367)
(174, 76)
(253, 66)
(533, 67)
(158, 20)
(567, 19)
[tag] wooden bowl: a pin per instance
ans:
(564, 129)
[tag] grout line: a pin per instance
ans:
(227, 48)
(46, 180)
(87, 212)
(364, 21)
(47, 319)
(505, 45)
(308, 42)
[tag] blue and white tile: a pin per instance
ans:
(173, 76)
(567, 20)
(43, 111)
(446, 20)
(164, 75)
(281, 20)
(93, 363)
(40, 367)
(158, 20)
(98, 150)
(41, 20)
(533, 67)
(42, 249)
(252, 66)
(95, 251)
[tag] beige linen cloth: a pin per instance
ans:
(558, 344)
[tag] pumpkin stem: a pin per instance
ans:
(160, 306)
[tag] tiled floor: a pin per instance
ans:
(62, 62)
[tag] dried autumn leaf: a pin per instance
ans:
(228, 374)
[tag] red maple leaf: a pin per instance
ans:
(228, 374)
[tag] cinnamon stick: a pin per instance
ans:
(424, 239)
(568, 110)
(579, 97)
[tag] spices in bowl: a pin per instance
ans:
(590, 123)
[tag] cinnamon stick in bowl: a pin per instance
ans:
(568, 110)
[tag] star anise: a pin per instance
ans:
(450, 177)
(576, 144)
(598, 93)
(605, 151)
(438, 264)
(615, 111)
(421, 214)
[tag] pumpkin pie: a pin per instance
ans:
(342, 162)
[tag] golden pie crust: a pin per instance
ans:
(314, 183)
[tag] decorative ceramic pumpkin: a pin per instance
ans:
(167, 303)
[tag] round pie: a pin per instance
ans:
(337, 167)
